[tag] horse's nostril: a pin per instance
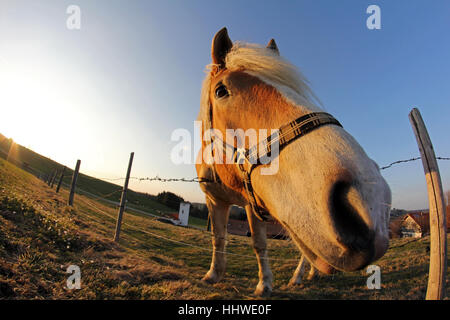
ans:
(350, 221)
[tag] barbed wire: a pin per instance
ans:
(199, 180)
(103, 196)
(110, 194)
(399, 161)
(157, 178)
(204, 180)
(409, 160)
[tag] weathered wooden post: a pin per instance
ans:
(49, 178)
(123, 200)
(438, 224)
(60, 179)
(53, 179)
(74, 182)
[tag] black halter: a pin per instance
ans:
(248, 159)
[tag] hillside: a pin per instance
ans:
(40, 236)
(40, 165)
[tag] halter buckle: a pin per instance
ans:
(240, 156)
(241, 159)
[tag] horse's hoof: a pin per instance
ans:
(294, 283)
(263, 291)
(211, 277)
(209, 280)
(311, 277)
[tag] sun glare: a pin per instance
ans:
(36, 103)
(26, 105)
(52, 108)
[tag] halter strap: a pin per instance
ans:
(248, 159)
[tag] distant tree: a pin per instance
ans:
(169, 199)
(197, 212)
(238, 213)
(395, 227)
(397, 212)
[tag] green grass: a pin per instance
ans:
(40, 236)
(194, 221)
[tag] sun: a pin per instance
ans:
(33, 100)
(25, 103)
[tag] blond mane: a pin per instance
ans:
(263, 63)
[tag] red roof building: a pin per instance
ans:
(241, 228)
(417, 224)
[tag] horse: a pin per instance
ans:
(326, 192)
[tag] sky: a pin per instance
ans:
(132, 73)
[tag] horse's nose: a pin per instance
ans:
(352, 223)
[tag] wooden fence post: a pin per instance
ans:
(123, 200)
(74, 182)
(438, 225)
(49, 178)
(53, 179)
(60, 179)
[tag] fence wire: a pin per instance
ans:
(204, 180)
(409, 160)
(182, 242)
(196, 179)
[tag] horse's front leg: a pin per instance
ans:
(313, 273)
(299, 271)
(259, 237)
(219, 213)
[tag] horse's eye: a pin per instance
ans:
(221, 91)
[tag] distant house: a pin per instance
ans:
(198, 205)
(241, 228)
(276, 231)
(417, 224)
(172, 215)
(238, 227)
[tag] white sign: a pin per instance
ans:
(183, 214)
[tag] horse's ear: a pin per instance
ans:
(272, 45)
(221, 45)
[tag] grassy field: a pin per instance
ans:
(38, 164)
(40, 236)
